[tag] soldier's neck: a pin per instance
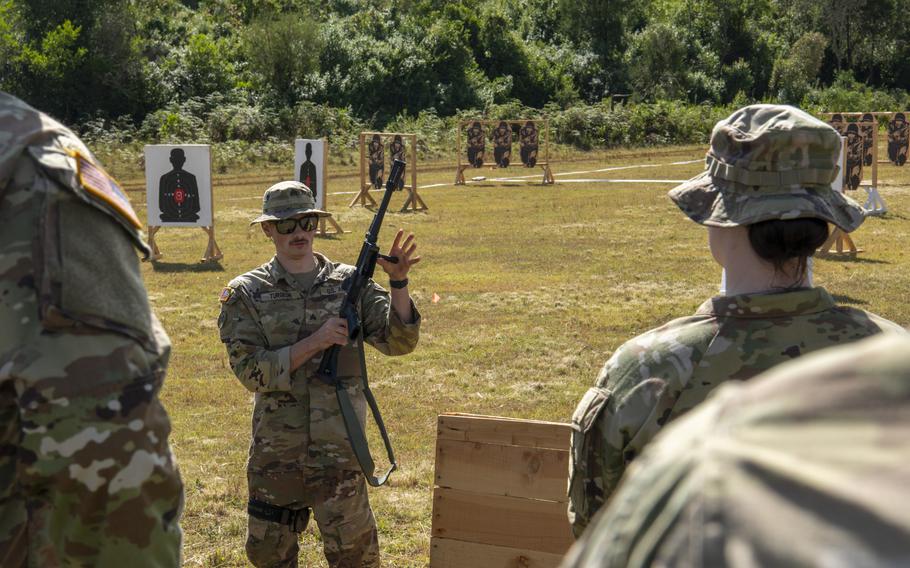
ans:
(757, 280)
(297, 265)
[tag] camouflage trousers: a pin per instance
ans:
(340, 505)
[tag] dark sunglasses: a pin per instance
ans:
(288, 226)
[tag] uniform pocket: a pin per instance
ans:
(583, 491)
(89, 273)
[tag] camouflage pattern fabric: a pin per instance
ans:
(806, 465)
(297, 424)
(87, 477)
(663, 373)
(286, 199)
(340, 506)
(769, 162)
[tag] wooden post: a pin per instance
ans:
(363, 196)
(212, 252)
(547, 173)
(459, 172)
(325, 196)
(156, 253)
(838, 239)
(414, 201)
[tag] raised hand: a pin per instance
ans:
(405, 253)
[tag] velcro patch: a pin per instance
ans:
(226, 294)
(100, 184)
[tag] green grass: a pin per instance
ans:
(538, 286)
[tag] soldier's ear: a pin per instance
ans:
(266, 229)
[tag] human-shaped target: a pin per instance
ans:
(476, 144)
(854, 174)
(527, 140)
(396, 152)
(377, 157)
(502, 144)
(837, 122)
(898, 139)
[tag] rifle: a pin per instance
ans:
(354, 286)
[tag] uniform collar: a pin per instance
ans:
(768, 305)
(278, 272)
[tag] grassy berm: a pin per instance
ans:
(537, 286)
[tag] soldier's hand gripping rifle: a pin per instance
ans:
(354, 287)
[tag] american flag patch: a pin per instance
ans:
(226, 294)
(97, 182)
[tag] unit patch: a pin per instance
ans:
(100, 184)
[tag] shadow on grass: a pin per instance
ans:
(850, 259)
(842, 299)
(889, 216)
(187, 267)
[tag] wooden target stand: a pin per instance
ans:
(874, 205)
(838, 239)
(414, 202)
(544, 164)
(212, 250)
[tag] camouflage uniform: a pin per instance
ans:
(86, 474)
(300, 456)
(806, 465)
(766, 162)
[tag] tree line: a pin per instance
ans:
(249, 69)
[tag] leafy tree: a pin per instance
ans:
(796, 72)
(282, 51)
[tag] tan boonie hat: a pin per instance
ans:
(286, 199)
(769, 162)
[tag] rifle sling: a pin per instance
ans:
(356, 433)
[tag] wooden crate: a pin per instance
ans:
(500, 493)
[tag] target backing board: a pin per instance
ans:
(309, 167)
(178, 181)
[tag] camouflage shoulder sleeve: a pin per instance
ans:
(886, 325)
(383, 329)
(639, 519)
(629, 403)
(258, 368)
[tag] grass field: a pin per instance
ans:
(537, 285)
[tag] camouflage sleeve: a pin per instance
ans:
(629, 403)
(609, 429)
(382, 328)
(259, 369)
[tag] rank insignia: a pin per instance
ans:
(101, 185)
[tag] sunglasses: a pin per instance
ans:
(288, 226)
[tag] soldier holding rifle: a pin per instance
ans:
(276, 321)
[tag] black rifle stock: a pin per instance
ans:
(327, 371)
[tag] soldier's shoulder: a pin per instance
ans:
(861, 319)
(251, 282)
(339, 269)
(669, 352)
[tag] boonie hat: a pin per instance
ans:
(286, 199)
(769, 162)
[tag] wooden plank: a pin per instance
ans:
(448, 553)
(502, 521)
(516, 471)
(509, 431)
